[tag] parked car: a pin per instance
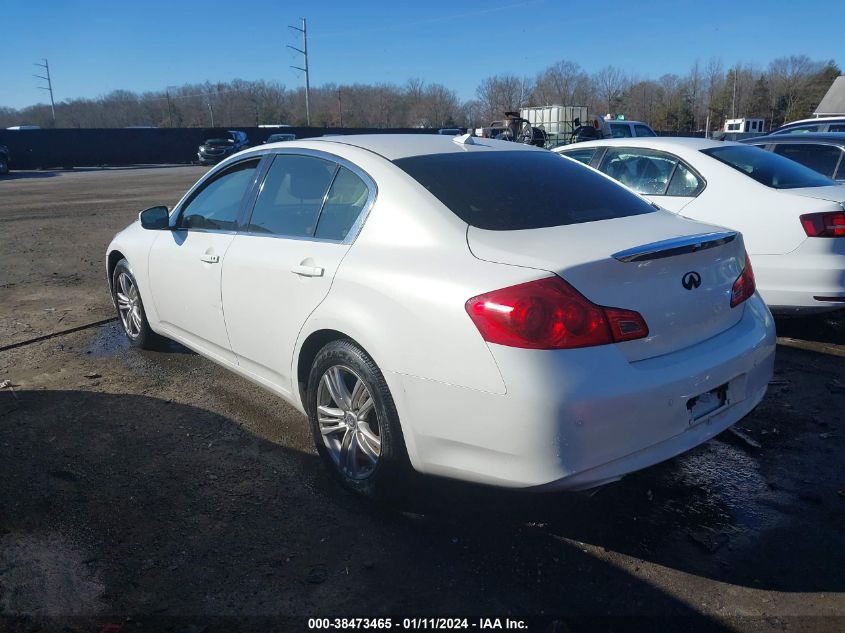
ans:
(613, 128)
(810, 126)
(450, 131)
(787, 212)
(279, 138)
(214, 150)
(824, 153)
(5, 159)
(426, 314)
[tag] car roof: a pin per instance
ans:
(397, 146)
(627, 121)
(821, 119)
(667, 143)
(837, 138)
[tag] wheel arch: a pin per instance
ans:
(326, 332)
(114, 256)
(308, 351)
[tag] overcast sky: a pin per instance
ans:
(96, 46)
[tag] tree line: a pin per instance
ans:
(788, 88)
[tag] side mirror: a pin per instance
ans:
(155, 218)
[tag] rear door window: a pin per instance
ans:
(820, 158)
(347, 199)
(522, 189)
(582, 155)
(836, 127)
(685, 182)
(620, 130)
(643, 130)
(291, 196)
(645, 171)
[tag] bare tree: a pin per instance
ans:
(558, 84)
(788, 80)
(610, 84)
(503, 93)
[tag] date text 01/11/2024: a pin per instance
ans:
(416, 623)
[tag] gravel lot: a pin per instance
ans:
(156, 491)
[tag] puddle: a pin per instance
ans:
(109, 341)
(725, 486)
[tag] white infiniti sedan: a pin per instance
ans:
(470, 308)
(792, 218)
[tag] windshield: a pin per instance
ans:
(768, 168)
(514, 190)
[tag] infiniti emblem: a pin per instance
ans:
(691, 280)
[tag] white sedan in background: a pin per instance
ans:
(470, 308)
(792, 218)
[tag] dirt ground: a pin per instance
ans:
(156, 491)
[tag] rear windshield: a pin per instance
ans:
(767, 168)
(514, 190)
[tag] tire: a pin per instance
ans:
(133, 319)
(386, 476)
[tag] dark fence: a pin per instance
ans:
(42, 149)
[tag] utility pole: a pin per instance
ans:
(210, 108)
(340, 107)
(49, 87)
(169, 106)
(733, 105)
(304, 52)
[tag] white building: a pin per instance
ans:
(745, 125)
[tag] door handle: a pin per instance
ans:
(210, 259)
(307, 271)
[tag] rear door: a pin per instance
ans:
(280, 266)
(660, 176)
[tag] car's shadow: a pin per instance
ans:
(169, 508)
(130, 505)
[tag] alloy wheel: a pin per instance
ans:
(348, 421)
(128, 305)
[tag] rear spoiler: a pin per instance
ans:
(676, 246)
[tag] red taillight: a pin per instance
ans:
(744, 286)
(550, 314)
(824, 224)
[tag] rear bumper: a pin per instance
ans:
(790, 283)
(575, 419)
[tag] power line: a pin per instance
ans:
(49, 87)
(304, 52)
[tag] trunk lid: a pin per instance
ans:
(832, 193)
(636, 263)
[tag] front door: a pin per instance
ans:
(186, 262)
(280, 266)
